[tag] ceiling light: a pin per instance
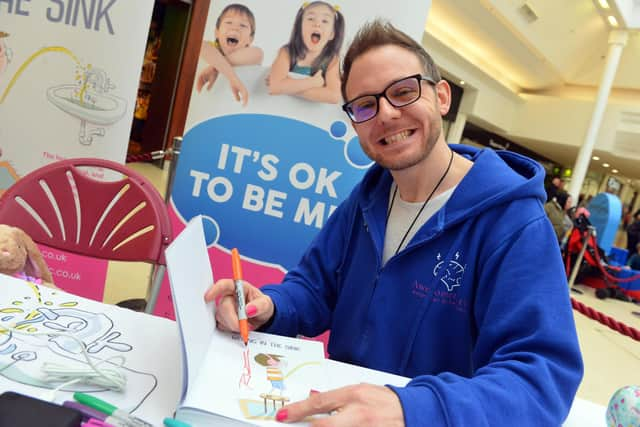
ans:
(603, 4)
(605, 165)
(614, 170)
(612, 20)
(596, 158)
(462, 82)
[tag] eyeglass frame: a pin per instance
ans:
(346, 106)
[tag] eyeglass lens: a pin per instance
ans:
(399, 94)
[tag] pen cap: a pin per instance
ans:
(86, 411)
(235, 264)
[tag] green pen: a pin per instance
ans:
(109, 409)
(171, 422)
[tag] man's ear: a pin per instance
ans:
(443, 93)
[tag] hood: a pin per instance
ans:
(496, 177)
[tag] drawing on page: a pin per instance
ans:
(23, 354)
(245, 378)
(274, 393)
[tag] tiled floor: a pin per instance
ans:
(611, 359)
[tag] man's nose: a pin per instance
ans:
(387, 111)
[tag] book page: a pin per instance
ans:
(341, 374)
(189, 276)
(251, 383)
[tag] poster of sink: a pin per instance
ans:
(69, 73)
(268, 154)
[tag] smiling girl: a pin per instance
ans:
(313, 51)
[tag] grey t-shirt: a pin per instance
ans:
(401, 217)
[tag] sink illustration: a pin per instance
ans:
(106, 109)
(90, 103)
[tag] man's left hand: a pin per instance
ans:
(355, 405)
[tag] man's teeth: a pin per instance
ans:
(397, 137)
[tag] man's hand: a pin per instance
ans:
(259, 306)
(356, 405)
(207, 77)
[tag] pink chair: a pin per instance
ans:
(121, 217)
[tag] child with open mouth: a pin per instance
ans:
(313, 51)
(235, 30)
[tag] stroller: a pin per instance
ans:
(586, 263)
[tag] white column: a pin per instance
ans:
(617, 41)
(454, 136)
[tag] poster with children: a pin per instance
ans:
(69, 73)
(268, 154)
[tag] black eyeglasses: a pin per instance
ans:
(399, 94)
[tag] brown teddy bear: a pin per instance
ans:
(20, 257)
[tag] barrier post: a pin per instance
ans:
(576, 266)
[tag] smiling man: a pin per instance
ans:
(440, 266)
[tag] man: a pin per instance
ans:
(633, 233)
(554, 187)
(437, 267)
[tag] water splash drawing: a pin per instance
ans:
(55, 330)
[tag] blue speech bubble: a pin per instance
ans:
(265, 183)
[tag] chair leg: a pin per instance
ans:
(158, 276)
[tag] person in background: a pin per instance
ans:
(557, 209)
(633, 233)
(634, 259)
(554, 186)
(626, 216)
(436, 267)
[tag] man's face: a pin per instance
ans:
(234, 32)
(397, 138)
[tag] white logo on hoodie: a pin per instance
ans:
(453, 271)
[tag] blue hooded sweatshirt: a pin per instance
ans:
(475, 309)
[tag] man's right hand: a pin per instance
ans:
(259, 307)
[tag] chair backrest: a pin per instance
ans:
(62, 206)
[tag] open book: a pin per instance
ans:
(224, 382)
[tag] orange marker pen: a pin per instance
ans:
(237, 279)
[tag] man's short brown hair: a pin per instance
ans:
(379, 33)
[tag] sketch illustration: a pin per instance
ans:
(266, 397)
(87, 98)
(50, 332)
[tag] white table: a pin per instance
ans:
(150, 345)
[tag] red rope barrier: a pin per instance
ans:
(610, 277)
(148, 157)
(605, 320)
(145, 157)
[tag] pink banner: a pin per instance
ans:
(76, 274)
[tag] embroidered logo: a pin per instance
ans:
(453, 271)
